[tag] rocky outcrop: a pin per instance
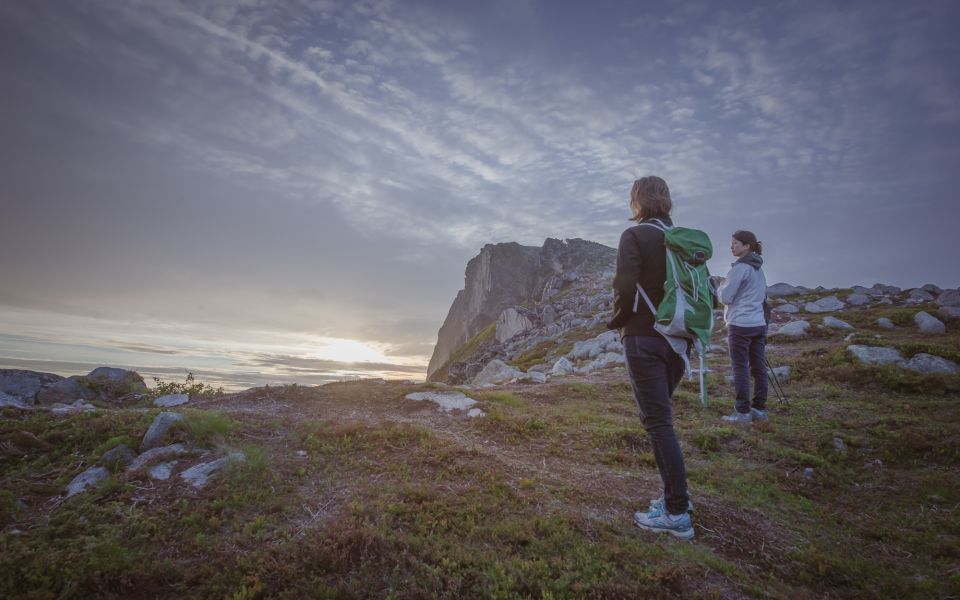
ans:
(510, 275)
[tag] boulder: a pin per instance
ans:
(533, 377)
(787, 308)
(885, 323)
(827, 304)
(876, 355)
(929, 323)
(949, 298)
(158, 429)
(117, 458)
(562, 366)
(447, 401)
(90, 477)
(884, 300)
(496, 371)
(793, 329)
(918, 295)
(178, 399)
(858, 299)
(20, 386)
(511, 322)
(880, 289)
(65, 391)
(782, 373)
(949, 312)
(607, 359)
(162, 472)
(835, 323)
(933, 289)
(609, 341)
(113, 384)
(8, 401)
(198, 475)
(928, 363)
(784, 289)
(155, 454)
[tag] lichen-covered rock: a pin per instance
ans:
(198, 475)
(88, 478)
(447, 401)
(609, 341)
(885, 323)
(562, 366)
(949, 298)
(835, 323)
(65, 391)
(928, 363)
(918, 295)
(155, 454)
(788, 309)
(793, 329)
(827, 304)
(858, 299)
(949, 312)
(161, 472)
(171, 400)
(20, 387)
(785, 289)
(111, 384)
(782, 373)
(876, 355)
(158, 429)
(117, 458)
(929, 323)
(608, 359)
(495, 372)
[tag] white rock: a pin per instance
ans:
(156, 454)
(885, 323)
(919, 295)
(475, 412)
(835, 323)
(197, 475)
(447, 401)
(172, 400)
(876, 355)
(858, 299)
(562, 366)
(788, 309)
(496, 371)
(154, 435)
(928, 363)
(595, 346)
(929, 323)
(510, 323)
(607, 359)
(828, 304)
(793, 329)
(782, 373)
(91, 476)
(162, 472)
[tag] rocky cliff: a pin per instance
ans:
(510, 275)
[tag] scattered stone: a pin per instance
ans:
(91, 476)
(928, 363)
(884, 300)
(929, 323)
(562, 366)
(835, 323)
(949, 298)
(885, 323)
(876, 355)
(475, 412)
(608, 341)
(838, 445)
(807, 472)
(117, 458)
(533, 377)
(158, 429)
(793, 329)
(787, 308)
(178, 399)
(858, 299)
(785, 289)
(163, 471)
(828, 304)
(496, 371)
(447, 401)
(199, 474)
(155, 454)
(949, 312)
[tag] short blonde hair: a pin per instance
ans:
(650, 197)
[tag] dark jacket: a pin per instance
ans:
(641, 258)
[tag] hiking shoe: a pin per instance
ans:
(680, 526)
(739, 418)
(758, 415)
(657, 507)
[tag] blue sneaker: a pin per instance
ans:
(680, 526)
(758, 415)
(657, 507)
(739, 418)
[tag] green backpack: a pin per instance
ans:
(686, 314)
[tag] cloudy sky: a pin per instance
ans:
(277, 191)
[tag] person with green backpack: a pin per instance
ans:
(662, 306)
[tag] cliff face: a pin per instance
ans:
(505, 275)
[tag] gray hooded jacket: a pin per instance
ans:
(744, 292)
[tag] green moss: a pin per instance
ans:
(471, 347)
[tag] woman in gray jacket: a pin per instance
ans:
(743, 295)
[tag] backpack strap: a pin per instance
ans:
(636, 300)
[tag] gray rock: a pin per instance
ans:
(69, 409)
(548, 315)
(782, 373)
(949, 312)
(884, 300)
(447, 401)
(929, 323)
(928, 363)
(858, 299)
(117, 458)
(808, 472)
(607, 359)
(512, 322)
(65, 391)
(90, 477)
(8, 401)
(885, 323)
(785, 289)
(475, 412)
(609, 341)
(198, 475)
(178, 399)
(155, 454)
(838, 445)
(933, 289)
(562, 366)
(880, 289)
(918, 295)
(835, 323)
(859, 289)
(793, 329)
(111, 383)
(496, 371)
(828, 304)
(23, 385)
(876, 355)
(949, 298)
(787, 308)
(158, 429)
(162, 472)
(533, 377)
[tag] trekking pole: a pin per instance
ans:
(703, 387)
(777, 388)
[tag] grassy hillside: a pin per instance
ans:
(350, 490)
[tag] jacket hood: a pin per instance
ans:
(753, 259)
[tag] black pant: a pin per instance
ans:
(747, 353)
(655, 370)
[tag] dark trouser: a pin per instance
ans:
(655, 370)
(747, 353)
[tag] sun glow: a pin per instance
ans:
(343, 350)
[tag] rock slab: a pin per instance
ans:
(929, 323)
(158, 429)
(876, 355)
(447, 401)
(90, 477)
